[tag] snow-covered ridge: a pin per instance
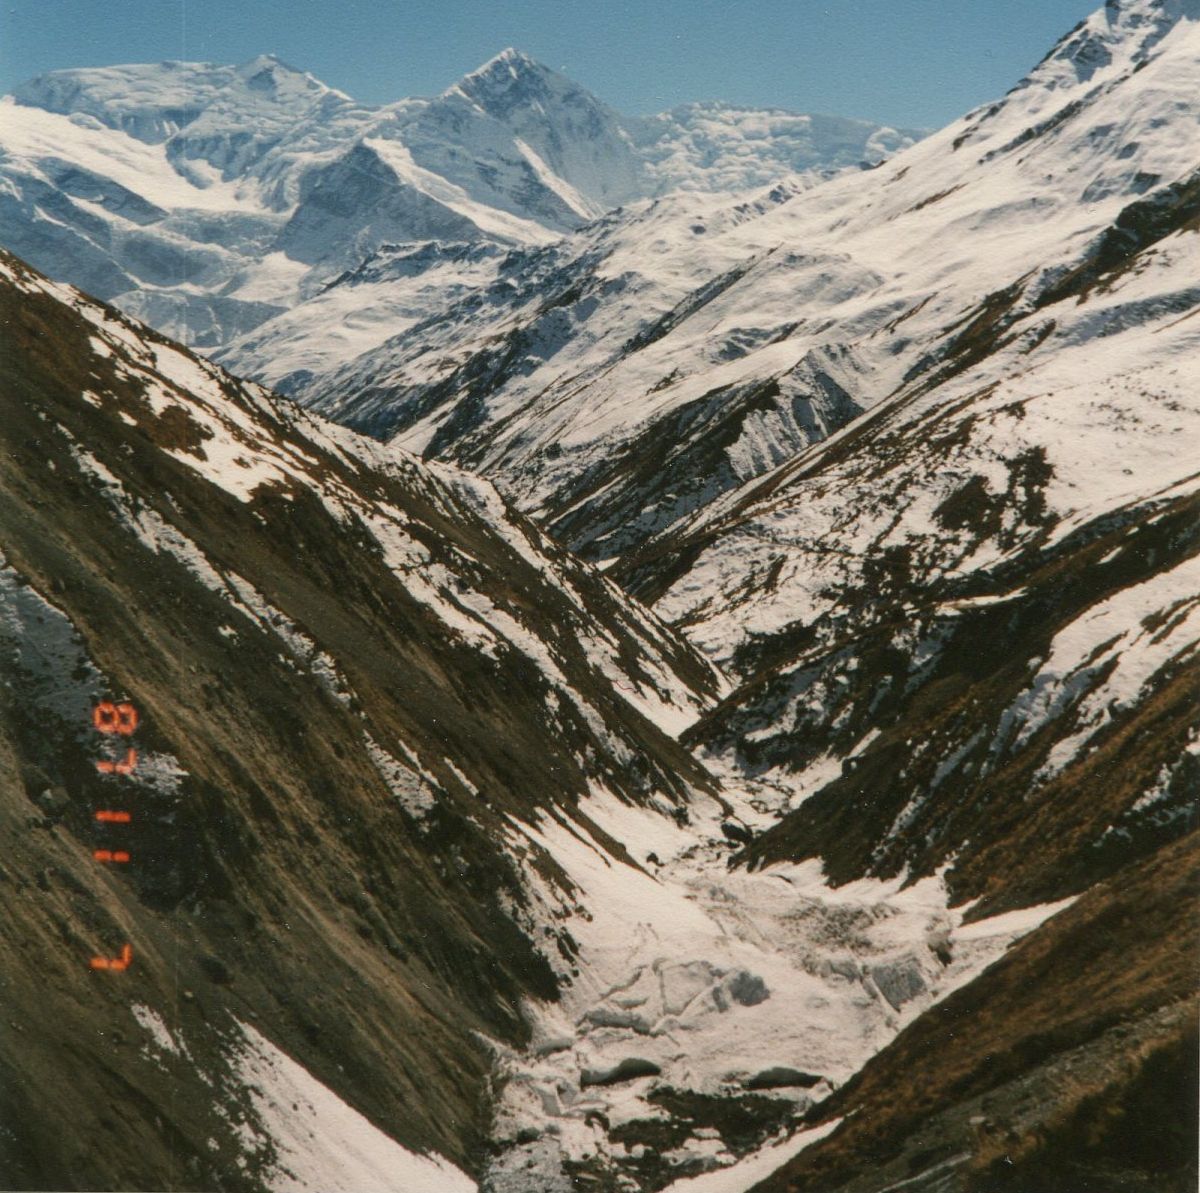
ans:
(626, 379)
(206, 198)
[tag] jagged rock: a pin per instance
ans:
(550, 1043)
(899, 981)
(842, 967)
(551, 1103)
(630, 1000)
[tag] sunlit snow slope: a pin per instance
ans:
(206, 199)
(619, 382)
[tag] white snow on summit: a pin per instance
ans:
(207, 198)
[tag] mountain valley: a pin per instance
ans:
(659, 666)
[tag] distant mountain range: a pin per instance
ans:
(207, 198)
(625, 378)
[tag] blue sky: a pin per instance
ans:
(908, 62)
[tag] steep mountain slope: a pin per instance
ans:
(1069, 1065)
(354, 676)
(966, 624)
(416, 884)
(982, 593)
(617, 382)
(206, 198)
(969, 631)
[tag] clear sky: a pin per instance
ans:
(907, 62)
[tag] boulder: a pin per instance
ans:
(746, 988)
(899, 981)
(614, 1016)
(54, 801)
(628, 1069)
(681, 983)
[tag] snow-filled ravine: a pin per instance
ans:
(695, 978)
(693, 981)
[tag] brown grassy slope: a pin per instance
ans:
(283, 883)
(947, 755)
(1069, 1066)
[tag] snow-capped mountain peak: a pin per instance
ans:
(1121, 34)
(510, 63)
(153, 102)
(207, 198)
(512, 79)
(560, 128)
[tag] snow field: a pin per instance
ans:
(712, 976)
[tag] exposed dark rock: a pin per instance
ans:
(629, 1069)
(782, 1077)
(737, 832)
(746, 989)
(899, 981)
